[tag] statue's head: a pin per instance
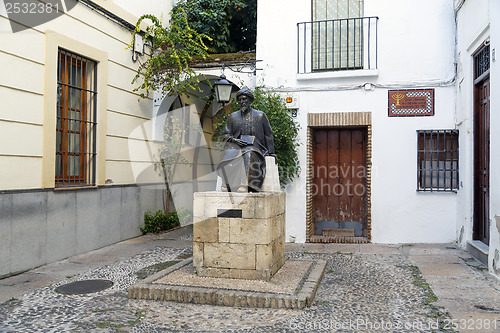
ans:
(245, 92)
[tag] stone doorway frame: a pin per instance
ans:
(337, 120)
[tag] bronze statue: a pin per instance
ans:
(249, 139)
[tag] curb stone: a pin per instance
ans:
(147, 289)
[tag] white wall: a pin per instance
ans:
(494, 256)
(138, 8)
(472, 30)
(477, 24)
(411, 54)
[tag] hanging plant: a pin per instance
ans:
(167, 69)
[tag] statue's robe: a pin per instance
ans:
(245, 167)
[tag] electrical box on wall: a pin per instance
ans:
(138, 44)
(291, 101)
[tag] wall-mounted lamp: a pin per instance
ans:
(223, 90)
(223, 87)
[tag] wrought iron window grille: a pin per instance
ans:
(336, 45)
(76, 121)
(482, 61)
(437, 160)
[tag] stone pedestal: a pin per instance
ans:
(272, 178)
(239, 235)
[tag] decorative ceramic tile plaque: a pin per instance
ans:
(413, 102)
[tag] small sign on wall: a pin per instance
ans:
(291, 101)
(411, 102)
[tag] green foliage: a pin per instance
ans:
(243, 36)
(173, 47)
(435, 311)
(231, 23)
(285, 130)
(10, 300)
(221, 119)
(159, 222)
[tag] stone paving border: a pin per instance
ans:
(148, 290)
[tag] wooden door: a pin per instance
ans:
(482, 161)
(339, 180)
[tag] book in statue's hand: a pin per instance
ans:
(249, 139)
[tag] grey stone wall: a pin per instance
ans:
(43, 226)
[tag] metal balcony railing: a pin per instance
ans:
(334, 45)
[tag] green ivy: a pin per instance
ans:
(285, 130)
(159, 222)
(173, 47)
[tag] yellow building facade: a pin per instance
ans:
(76, 161)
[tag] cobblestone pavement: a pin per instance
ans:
(361, 292)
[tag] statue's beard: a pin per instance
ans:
(245, 109)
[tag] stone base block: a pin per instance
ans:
(239, 235)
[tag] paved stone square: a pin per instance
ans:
(370, 288)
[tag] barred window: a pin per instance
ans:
(482, 62)
(76, 120)
(437, 168)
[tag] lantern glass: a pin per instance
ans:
(223, 90)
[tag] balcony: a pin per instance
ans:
(337, 45)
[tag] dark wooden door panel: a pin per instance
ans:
(332, 179)
(339, 178)
(357, 171)
(320, 174)
(344, 208)
(482, 160)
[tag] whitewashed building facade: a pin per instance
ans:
(387, 87)
(388, 95)
(477, 100)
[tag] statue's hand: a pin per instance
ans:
(240, 142)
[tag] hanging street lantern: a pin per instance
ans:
(223, 90)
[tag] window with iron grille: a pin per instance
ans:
(437, 168)
(482, 62)
(76, 120)
(337, 34)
